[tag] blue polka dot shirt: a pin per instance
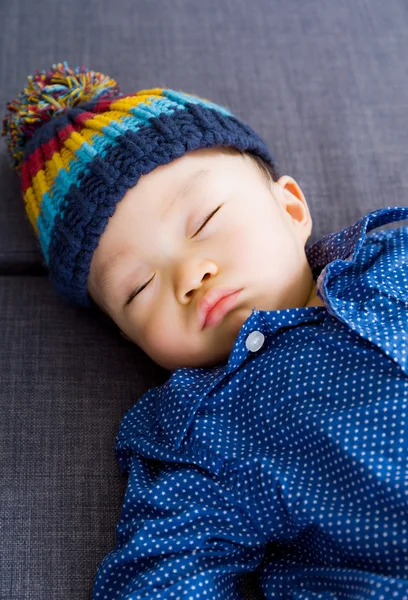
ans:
(283, 472)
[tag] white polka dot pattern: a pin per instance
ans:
(282, 473)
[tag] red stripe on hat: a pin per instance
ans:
(36, 160)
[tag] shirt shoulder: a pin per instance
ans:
(383, 264)
(370, 292)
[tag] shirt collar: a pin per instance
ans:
(179, 397)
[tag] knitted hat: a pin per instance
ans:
(79, 144)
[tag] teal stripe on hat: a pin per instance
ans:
(184, 99)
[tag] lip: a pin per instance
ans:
(215, 304)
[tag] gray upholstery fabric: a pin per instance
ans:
(324, 84)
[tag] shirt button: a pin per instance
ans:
(255, 341)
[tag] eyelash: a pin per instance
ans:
(200, 228)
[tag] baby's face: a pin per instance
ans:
(253, 242)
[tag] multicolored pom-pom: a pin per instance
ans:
(48, 95)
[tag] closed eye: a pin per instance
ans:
(207, 219)
(140, 289)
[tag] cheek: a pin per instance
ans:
(160, 335)
(253, 242)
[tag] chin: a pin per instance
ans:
(198, 362)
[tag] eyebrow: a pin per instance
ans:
(196, 178)
(103, 277)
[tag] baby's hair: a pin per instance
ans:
(267, 170)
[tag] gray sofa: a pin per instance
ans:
(325, 85)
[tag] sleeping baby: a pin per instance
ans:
(273, 462)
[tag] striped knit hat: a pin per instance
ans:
(79, 144)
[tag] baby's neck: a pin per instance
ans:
(314, 299)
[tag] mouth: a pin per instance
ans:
(215, 305)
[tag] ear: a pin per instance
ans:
(295, 203)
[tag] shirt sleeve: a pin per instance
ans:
(287, 578)
(180, 535)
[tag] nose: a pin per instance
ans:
(191, 276)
